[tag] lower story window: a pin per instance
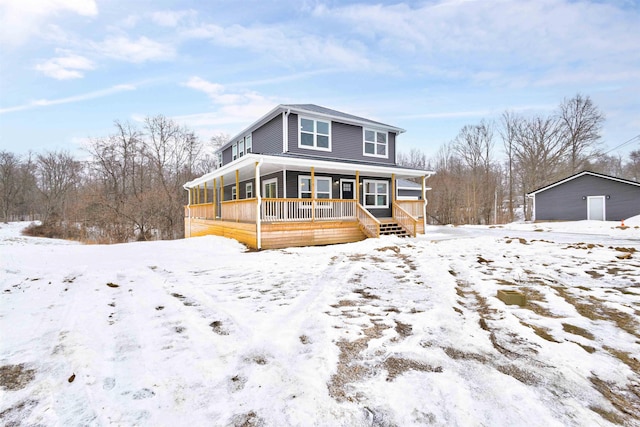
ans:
(249, 190)
(376, 194)
(234, 192)
(322, 187)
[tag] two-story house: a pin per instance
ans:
(306, 175)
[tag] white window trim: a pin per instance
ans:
(234, 192)
(364, 193)
(267, 182)
(315, 134)
(234, 151)
(364, 143)
(315, 187)
(248, 148)
(248, 188)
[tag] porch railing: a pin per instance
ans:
(203, 211)
(406, 220)
(283, 210)
(243, 210)
(415, 208)
(368, 223)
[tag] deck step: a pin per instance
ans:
(392, 228)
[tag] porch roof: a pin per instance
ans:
(275, 163)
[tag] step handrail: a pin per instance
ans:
(369, 224)
(405, 219)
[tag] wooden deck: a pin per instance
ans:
(276, 235)
(296, 222)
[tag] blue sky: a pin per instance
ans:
(69, 68)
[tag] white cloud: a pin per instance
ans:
(291, 46)
(76, 98)
(137, 51)
(171, 18)
(21, 19)
(476, 37)
(231, 107)
(70, 66)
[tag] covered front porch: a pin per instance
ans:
(279, 201)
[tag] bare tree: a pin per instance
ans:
(632, 169)
(508, 131)
(172, 151)
(58, 173)
(119, 174)
(9, 183)
(582, 123)
(539, 151)
(474, 145)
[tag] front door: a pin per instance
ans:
(347, 189)
(595, 208)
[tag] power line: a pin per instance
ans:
(624, 143)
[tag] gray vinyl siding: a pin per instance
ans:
(267, 139)
(292, 189)
(565, 201)
(347, 142)
(227, 155)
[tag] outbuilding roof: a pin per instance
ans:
(578, 175)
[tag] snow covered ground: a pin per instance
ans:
(382, 332)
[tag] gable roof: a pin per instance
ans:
(578, 175)
(312, 110)
(328, 112)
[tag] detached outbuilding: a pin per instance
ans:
(587, 195)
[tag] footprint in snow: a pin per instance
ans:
(144, 393)
(109, 383)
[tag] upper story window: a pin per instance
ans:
(241, 147)
(219, 159)
(314, 134)
(322, 187)
(375, 143)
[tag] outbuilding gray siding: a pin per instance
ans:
(568, 201)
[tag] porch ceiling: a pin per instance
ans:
(270, 164)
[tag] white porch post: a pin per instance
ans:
(313, 194)
(424, 206)
(258, 208)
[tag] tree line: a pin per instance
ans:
(129, 185)
(479, 183)
(128, 188)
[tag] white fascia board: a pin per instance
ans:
(244, 161)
